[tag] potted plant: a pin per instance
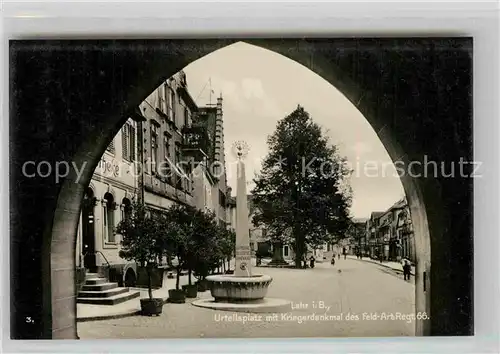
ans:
(203, 251)
(174, 238)
(191, 228)
(201, 272)
(202, 245)
(140, 243)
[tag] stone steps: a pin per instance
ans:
(99, 291)
(94, 281)
(99, 287)
(113, 300)
(103, 293)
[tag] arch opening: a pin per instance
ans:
(361, 84)
(163, 98)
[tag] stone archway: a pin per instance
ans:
(417, 99)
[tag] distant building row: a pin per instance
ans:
(259, 239)
(386, 235)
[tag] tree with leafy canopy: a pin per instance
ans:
(141, 239)
(226, 245)
(302, 193)
(176, 231)
(202, 241)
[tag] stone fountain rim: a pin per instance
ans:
(230, 278)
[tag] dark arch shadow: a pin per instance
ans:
(398, 91)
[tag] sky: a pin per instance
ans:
(259, 87)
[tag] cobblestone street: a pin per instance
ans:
(353, 290)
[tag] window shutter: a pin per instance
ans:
(125, 152)
(132, 143)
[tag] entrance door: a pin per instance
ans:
(88, 232)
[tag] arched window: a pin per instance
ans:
(109, 206)
(127, 209)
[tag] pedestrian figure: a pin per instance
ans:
(339, 255)
(311, 262)
(406, 269)
(344, 252)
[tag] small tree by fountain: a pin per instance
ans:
(174, 242)
(202, 233)
(243, 290)
(141, 242)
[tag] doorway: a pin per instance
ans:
(88, 231)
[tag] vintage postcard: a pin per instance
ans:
(241, 188)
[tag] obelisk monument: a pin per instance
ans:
(243, 267)
(242, 291)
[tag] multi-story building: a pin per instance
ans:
(384, 233)
(168, 110)
(356, 242)
(170, 152)
(395, 245)
(107, 200)
(184, 150)
(404, 233)
(390, 233)
(371, 227)
(211, 119)
(205, 138)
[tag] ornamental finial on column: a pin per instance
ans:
(240, 149)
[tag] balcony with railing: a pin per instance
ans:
(196, 142)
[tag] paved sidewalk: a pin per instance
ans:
(86, 312)
(388, 264)
(346, 295)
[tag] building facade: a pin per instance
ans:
(170, 152)
(107, 200)
(389, 234)
(372, 226)
(168, 111)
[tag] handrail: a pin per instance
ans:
(103, 256)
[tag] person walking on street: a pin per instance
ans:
(406, 269)
(311, 261)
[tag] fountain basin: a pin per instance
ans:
(237, 289)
